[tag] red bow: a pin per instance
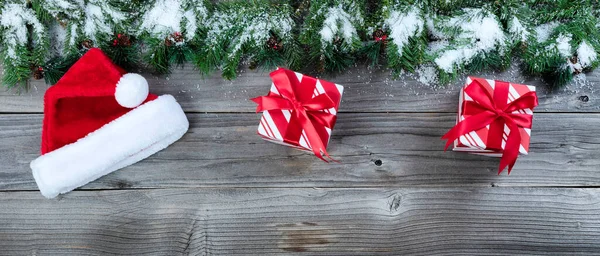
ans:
(493, 110)
(306, 110)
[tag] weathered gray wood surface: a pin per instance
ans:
(489, 221)
(365, 91)
(224, 150)
(221, 190)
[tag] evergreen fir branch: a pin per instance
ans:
(332, 29)
(122, 49)
(293, 55)
(59, 10)
(554, 57)
(479, 43)
(229, 69)
(210, 57)
(407, 37)
(508, 9)
(56, 67)
(373, 51)
(334, 60)
(559, 75)
(25, 43)
(556, 39)
(170, 30)
(445, 78)
(157, 55)
(559, 10)
(17, 71)
(267, 60)
(96, 24)
(42, 14)
(413, 54)
(260, 31)
(450, 8)
(179, 55)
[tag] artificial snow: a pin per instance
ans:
(338, 22)
(427, 75)
(191, 25)
(167, 16)
(98, 14)
(58, 35)
(61, 4)
(163, 18)
(563, 45)
(574, 67)
(544, 31)
(73, 27)
(218, 24)
(251, 26)
(14, 20)
(517, 31)
(433, 31)
(57, 8)
(435, 46)
(586, 54)
(404, 26)
(258, 29)
(484, 33)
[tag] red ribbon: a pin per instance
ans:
(487, 109)
(306, 110)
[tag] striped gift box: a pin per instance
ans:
(476, 141)
(273, 123)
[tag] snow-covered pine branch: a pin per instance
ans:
(564, 48)
(553, 39)
(339, 25)
(258, 31)
(588, 57)
(14, 20)
(332, 29)
(167, 17)
(407, 37)
(517, 31)
(478, 35)
(20, 52)
(97, 23)
(60, 10)
(170, 31)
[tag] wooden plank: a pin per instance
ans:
(487, 221)
(366, 90)
(223, 150)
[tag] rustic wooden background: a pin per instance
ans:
(221, 190)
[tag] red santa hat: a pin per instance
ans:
(98, 119)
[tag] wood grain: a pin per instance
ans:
(366, 90)
(486, 221)
(375, 149)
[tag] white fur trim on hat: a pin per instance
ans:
(132, 90)
(126, 140)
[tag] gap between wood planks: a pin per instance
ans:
(492, 186)
(274, 221)
(365, 91)
(375, 150)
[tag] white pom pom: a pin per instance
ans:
(132, 90)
